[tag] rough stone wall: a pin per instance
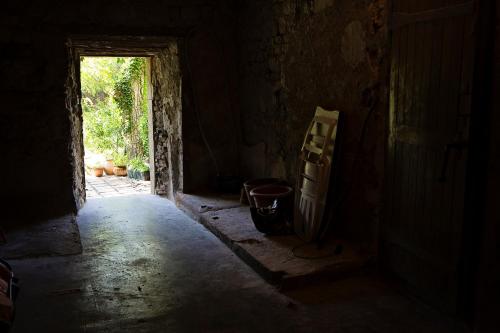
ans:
(296, 55)
(35, 130)
(167, 122)
(76, 128)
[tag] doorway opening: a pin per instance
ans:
(115, 109)
(164, 108)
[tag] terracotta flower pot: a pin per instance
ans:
(108, 167)
(98, 172)
(120, 171)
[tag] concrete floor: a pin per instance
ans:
(147, 267)
(37, 239)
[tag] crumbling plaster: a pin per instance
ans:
(296, 55)
(167, 122)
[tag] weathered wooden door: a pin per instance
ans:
(431, 74)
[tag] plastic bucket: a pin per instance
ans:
(264, 196)
(253, 183)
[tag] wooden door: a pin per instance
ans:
(431, 74)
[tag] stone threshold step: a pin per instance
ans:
(272, 256)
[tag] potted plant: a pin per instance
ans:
(98, 170)
(120, 161)
(108, 166)
(138, 169)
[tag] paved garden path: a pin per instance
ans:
(113, 186)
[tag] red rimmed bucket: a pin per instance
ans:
(264, 196)
(253, 183)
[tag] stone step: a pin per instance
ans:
(285, 261)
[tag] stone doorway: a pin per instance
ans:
(115, 102)
(164, 105)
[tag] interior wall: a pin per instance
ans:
(210, 94)
(296, 55)
(36, 124)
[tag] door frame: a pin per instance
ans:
(126, 46)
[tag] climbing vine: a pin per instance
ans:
(114, 106)
(129, 94)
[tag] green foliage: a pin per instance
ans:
(144, 133)
(108, 102)
(143, 121)
(138, 164)
(123, 92)
(104, 131)
(120, 160)
(97, 77)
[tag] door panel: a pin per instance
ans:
(431, 68)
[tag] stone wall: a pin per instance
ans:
(296, 55)
(167, 122)
(73, 92)
(210, 93)
(36, 139)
